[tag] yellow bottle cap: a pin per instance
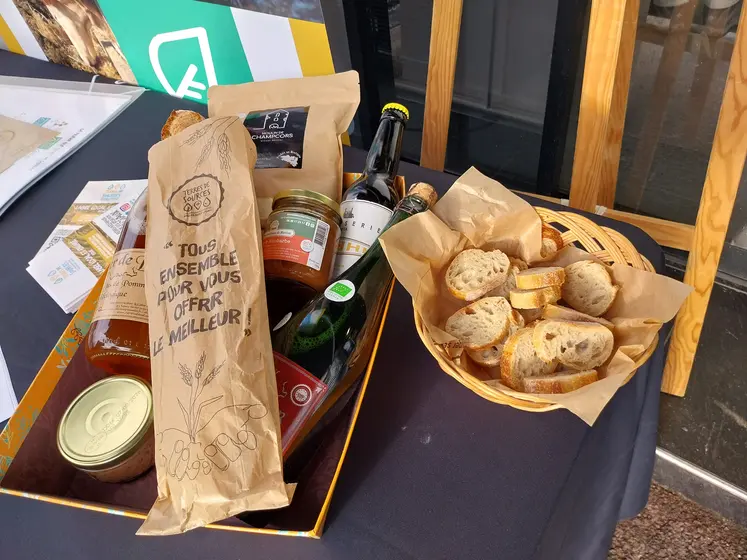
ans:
(401, 108)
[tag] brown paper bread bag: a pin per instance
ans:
(217, 426)
(296, 125)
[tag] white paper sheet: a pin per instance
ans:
(8, 400)
(76, 115)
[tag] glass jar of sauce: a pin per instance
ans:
(299, 247)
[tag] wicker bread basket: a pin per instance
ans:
(605, 244)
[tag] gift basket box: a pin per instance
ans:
(32, 467)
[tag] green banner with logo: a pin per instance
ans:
(178, 46)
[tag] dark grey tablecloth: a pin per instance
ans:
(433, 471)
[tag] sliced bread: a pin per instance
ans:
(481, 324)
(553, 311)
(490, 357)
(532, 299)
(552, 241)
(474, 272)
(531, 315)
(519, 360)
(534, 278)
(560, 382)
(588, 288)
(579, 346)
(510, 284)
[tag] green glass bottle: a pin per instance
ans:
(321, 350)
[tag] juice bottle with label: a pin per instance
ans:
(118, 339)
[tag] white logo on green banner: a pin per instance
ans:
(178, 46)
(188, 82)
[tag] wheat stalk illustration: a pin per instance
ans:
(224, 148)
(192, 413)
(196, 135)
(205, 152)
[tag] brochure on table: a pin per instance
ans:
(82, 244)
(76, 114)
(8, 400)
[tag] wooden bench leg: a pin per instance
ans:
(439, 87)
(611, 165)
(717, 201)
(609, 54)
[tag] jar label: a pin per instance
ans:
(278, 135)
(123, 294)
(299, 394)
(362, 223)
(296, 238)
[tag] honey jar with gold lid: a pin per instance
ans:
(107, 431)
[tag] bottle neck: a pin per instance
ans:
(383, 157)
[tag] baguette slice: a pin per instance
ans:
(552, 241)
(481, 324)
(553, 311)
(491, 357)
(560, 382)
(531, 315)
(504, 290)
(534, 278)
(473, 273)
(579, 346)
(488, 357)
(588, 288)
(532, 299)
(519, 360)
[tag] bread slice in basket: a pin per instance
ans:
(520, 360)
(481, 324)
(552, 241)
(560, 382)
(553, 311)
(491, 357)
(580, 346)
(474, 272)
(533, 299)
(534, 278)
(588, 288)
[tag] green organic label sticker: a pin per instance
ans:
(340, 291)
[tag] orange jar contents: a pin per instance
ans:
(299, 248)
(118, 339)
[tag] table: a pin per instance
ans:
(433, 470)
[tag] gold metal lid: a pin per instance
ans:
(308, 195)
(105, 422)
(398, 107)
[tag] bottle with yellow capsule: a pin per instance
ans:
(369, 202)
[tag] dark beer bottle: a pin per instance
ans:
(368, 204)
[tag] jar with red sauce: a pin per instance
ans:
(299, 246)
